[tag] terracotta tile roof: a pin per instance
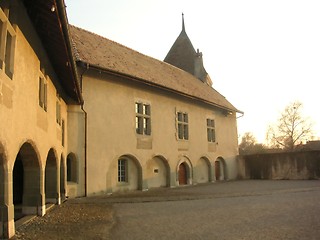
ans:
(111, 56)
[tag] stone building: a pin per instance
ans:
(38, 83)
(152, 123)
(83, 115)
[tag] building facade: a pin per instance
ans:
(150, 123)
(37, 84)
(83, 115)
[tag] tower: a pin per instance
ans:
(184, 56)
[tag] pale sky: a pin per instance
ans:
(261, 54)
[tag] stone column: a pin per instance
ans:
(7, 227)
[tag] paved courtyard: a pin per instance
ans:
(225, 210)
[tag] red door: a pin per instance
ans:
(182, 174)
(217, 170)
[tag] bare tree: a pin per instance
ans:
(249, 144)
(291, 129)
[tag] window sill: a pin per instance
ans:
(121, 184)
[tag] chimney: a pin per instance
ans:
(199, 71)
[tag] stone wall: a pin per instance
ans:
(285, 165)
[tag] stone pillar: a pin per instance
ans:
(7, 228)
(33, 196)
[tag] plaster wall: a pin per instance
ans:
(76, 145)
(110, 104)
(24, 121)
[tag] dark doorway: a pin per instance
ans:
(18, 178)
(217, 170)
(182, 174)
(27, 198)
(18, 181)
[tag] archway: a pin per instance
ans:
(184, 171)
(183, 175)
(202, 171)
(26, 176)
(158, 172)
(129, 174)
(51, 178)
(220, 169)
(72, 168)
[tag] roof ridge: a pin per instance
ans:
(108, 39)
(109, 55)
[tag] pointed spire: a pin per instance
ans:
(183, 29)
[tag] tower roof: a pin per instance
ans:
(182, 52)
(184, 56)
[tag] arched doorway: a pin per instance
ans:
(51, 178)
(202, 171)
(184, 171)
(27, 195)
(217, 170)
(183, 174)
(220, 169)
(18, 177)
(158, 172)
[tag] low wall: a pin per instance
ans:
(285, 165)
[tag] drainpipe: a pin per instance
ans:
(86, 66)
(85, 149)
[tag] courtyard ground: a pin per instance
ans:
(224, 210)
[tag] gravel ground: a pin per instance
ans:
(226, 210)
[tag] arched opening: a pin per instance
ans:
(72, 168)
(158, 172)
(202, 171)
(182, 173)
(220, 169)
(62, 180)
(217, 168)
(27, 196)
(18, 177)
(51, 178)
(129, 173)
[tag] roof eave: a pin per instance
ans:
(82, 63)
(65, 29)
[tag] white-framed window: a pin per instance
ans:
(7, 44)
(58, 109)
(143, 118)
(43, 91)
(183, 125)
(211, 132)
(122, 170)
